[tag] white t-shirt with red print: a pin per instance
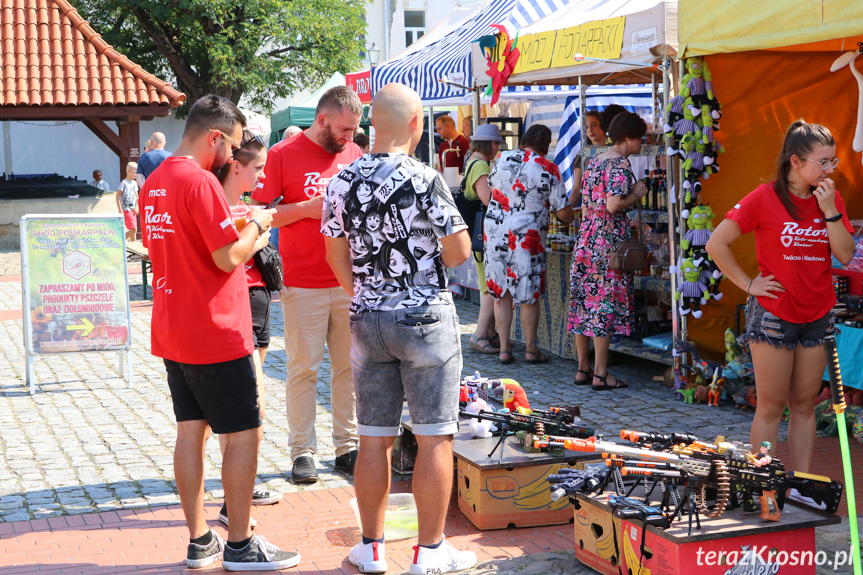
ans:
(796, 252)
(201, 314)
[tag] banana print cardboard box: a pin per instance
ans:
(737, 543)
(510, 490)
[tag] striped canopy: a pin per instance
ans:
(449, 55)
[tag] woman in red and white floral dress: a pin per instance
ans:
(524, 185)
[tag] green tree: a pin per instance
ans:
(261, 49)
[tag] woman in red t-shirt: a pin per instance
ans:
(799, 220)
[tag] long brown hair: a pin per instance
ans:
(800, 138)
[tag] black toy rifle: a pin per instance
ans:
(629, 508)
(531, 423)
(573, 481)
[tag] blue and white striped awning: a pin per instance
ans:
(450, 55)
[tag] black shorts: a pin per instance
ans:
(259, 299)
(224, 394)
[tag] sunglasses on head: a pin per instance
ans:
(247, 141)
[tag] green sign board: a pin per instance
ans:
(76, 292)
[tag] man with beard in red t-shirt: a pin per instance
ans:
(202, 328)
(315, 307)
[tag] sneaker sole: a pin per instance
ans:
(224, 519)
(200, 563)
(262, 566)
(275, 498)
(369, 566)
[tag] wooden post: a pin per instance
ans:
(129, 133)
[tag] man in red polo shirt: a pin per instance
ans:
(454, 148)
(315, 307)
(202, 328)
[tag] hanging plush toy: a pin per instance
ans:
(499, 71)
(693, 167)
(674, 133)
(691, 290)
(699, 220)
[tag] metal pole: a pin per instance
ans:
(582, 109)
(432, 153)
(672, 205)
(476, 108)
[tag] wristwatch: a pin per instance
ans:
(835, 218)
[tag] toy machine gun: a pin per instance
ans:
(551, 426)
(570, 482)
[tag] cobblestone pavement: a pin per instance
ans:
(87, 442)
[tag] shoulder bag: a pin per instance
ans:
(628, 255)
(473, 212)
(269, 263)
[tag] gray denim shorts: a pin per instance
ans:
(412, 353)
(764, 327)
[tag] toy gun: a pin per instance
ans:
(572, 481)
(657, 441)
(629, 508)
(771, 481)
(532, 424)
(563, 413)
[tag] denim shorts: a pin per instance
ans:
(764, 327)
(412, 353)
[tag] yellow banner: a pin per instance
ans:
(536, 51)
(597, 39)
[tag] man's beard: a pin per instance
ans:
(220, 161)
(330, 143)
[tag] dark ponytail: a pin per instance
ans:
(800, 138)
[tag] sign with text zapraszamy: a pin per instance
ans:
(75, 284)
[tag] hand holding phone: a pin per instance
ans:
(274, 203)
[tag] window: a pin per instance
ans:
(415, 26)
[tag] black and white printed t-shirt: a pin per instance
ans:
(393, 211)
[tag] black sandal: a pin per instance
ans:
(619, 383)
(583, 381)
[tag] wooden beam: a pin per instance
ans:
(130, 135)
(36, 113)
(117, 144)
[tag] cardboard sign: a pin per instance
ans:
(75, 284)
(597, 39)
(536, 51)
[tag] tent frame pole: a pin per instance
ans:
(432, 152)
(476, 108)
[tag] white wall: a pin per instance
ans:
(72, 150)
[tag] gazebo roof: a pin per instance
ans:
(54, 65)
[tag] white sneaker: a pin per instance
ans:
(369, 557)
(808, 501)
(444, 559)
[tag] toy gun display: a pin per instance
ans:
(564, 413)
(573, 481)
(629, 508)
(531, 423)
(657, 441)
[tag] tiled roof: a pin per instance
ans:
(50, 56)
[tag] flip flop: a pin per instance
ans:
(481, 345)
(506, 357)
(583, 381)
(620, 384)
(536, 357)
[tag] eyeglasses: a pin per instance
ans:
(234, 145)
(824, 164)
(254, 138)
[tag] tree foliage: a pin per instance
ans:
(260, 49)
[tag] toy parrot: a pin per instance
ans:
(514, 398)
(499, 71)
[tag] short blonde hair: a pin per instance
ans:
(132, 166)
(447, 120)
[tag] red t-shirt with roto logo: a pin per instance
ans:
(797, 252)
(201, 314)
(300, 169)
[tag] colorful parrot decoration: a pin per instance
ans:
(499, 71)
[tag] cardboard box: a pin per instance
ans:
(511, 497)
(737, 543)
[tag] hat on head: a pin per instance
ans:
(487, 133)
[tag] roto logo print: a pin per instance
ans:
(76, 265)
(315, 184)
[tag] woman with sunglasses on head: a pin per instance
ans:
(241, 175)
(799, 220)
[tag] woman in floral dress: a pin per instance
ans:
(601, 300)
(524, 184)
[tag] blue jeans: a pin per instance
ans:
(413, 353)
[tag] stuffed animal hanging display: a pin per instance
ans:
(691, 122)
